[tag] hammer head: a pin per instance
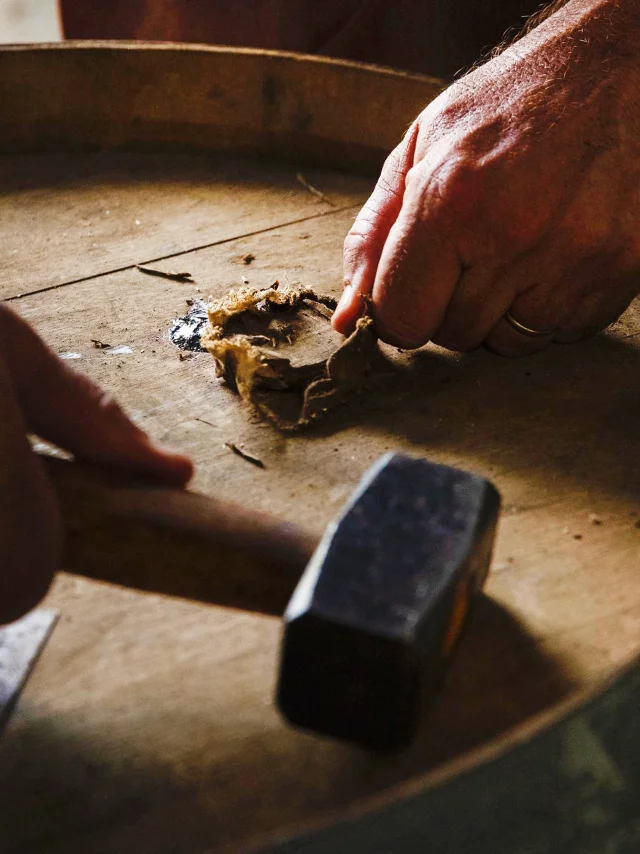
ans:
(377, 614)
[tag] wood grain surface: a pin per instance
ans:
(149, 724)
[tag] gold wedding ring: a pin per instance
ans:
(526, 330)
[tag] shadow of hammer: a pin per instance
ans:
(372, 611)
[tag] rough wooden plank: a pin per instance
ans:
(130, 673)
(67, 217)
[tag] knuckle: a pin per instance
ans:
(414, 177)
(363, 224)
(401, 332)
(354, 245)
(463, 186)
(367, 219)
(388, 188)
(454, 188)
(392, 174)
(354, 238)
(397, 161)
(449, 110)
(390, 184)
(367, 225)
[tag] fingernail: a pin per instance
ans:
(346, 299)
(348, 311)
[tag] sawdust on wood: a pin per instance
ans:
(277, 349)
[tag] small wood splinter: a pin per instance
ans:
(244, 455)
(314, 190)
(174, 277)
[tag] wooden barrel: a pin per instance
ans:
(149, 724)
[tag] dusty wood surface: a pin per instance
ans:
(149, 723)
(136, 209)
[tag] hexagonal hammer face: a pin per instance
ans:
(377, 613)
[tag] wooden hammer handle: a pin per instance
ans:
(175, 542)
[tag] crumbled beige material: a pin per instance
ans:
(277, 349)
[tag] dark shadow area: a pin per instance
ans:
(125, 168)
(94, 793)
(567, 415)
(499, 678)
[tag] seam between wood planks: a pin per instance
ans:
(355, 206)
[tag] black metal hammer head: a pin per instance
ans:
(379, 609)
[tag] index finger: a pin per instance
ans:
(419, 269)
(366, 238)
(67, 408)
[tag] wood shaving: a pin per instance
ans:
(174, 277)
(314, 190)
(275, 347)
(244, 455)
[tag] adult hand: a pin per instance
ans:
(40, 394)
(515, 194)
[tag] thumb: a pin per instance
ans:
(366, 238)
(67, 408)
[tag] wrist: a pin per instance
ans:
(601, 24)
(571, 39)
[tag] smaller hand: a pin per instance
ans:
(40, 394)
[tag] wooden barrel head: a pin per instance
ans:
(149, 723)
